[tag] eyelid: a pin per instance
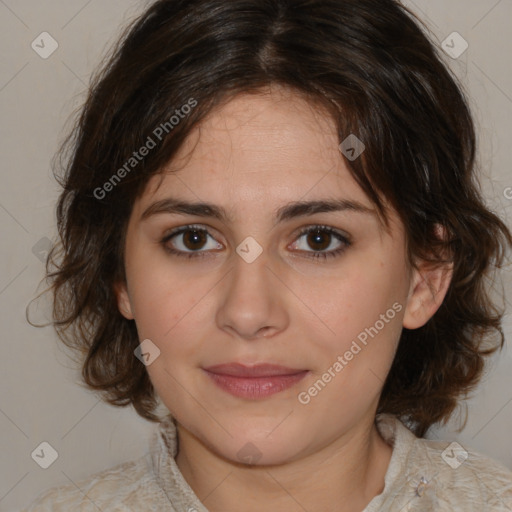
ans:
(301, 231)
(186, 227)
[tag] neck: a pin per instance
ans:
(343, 476)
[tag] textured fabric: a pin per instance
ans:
(423, 476)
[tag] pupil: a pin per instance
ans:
(194, 237)
(315, 238)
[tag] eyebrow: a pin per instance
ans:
(284, 213)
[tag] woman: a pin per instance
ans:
(270, 225)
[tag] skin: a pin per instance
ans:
(251, 156)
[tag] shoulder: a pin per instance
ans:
(440, 476)
(126, 487)
(465, 476)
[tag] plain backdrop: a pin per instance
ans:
(41, 399)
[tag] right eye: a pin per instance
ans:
(189, 241)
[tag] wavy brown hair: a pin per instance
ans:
(370, 64)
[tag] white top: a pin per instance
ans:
(422, 476)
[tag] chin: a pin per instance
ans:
(250, 447)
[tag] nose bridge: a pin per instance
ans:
(249, 277)
(251, 303)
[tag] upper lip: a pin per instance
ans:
(258, 370)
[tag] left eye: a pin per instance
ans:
(321, 238)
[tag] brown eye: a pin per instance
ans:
(319, 240)
(194, 239)
(190, 241)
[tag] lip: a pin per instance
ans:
(257, 370)
(254, 382)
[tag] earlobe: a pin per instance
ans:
(123, 300)
(428, 290)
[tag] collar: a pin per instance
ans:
(164, 447)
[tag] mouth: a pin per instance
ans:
(254, 382)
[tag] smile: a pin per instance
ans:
(254, 382)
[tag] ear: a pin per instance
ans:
(429, 284)
(123, 300)
(427, 292)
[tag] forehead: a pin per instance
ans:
(257, 152)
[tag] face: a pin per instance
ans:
(259, 279)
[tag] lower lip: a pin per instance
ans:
(255, 387)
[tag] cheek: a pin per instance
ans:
(363, 310)
(371, 329)
(345, 302)
(163, 295)
(170, 312)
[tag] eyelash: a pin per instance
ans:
(313, 254)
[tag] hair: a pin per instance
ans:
(371, 66)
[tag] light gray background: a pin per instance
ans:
(40, 396)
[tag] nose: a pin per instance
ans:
(253, 301)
